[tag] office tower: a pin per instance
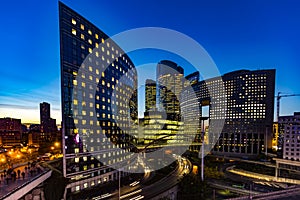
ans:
(10, 131)
(169, 77)
(289, 150)
(244, 101)
(88, 56)
(290, 129)
(48, 125)
(191, 109)
(44, 112)
(150, 95)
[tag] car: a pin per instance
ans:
(46, 156)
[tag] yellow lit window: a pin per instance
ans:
(90, 50)
(75, 102)
(90, 41)
(74, 82)
(90, 32)
(83, 84)
(73, 31)
(82, 36)
(96, 45)
(82, 26)
(102, 49)
(73, 21)
(97, 71)
(96, 36)
(103, 82)
(102, 40)
(103, 74)
(97, 54)
(107, 44)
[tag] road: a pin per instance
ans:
(138, 190)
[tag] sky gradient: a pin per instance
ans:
(237, 35)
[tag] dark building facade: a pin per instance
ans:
(114, 101)
(289, 137)
(249, 114)
(245, 101)
(10, 132)
(150, 95)
(48, 126)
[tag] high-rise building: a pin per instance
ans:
(88, 55)
(191, 109)
(48, 125)
(245, 101)
(10, 131)
(150, 95)
(169, 77)
(44, 112)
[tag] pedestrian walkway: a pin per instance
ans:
(11, 182)
(261, 176)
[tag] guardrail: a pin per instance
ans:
(23, 189)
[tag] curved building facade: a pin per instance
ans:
(114, 101)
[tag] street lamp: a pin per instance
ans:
(202, 147)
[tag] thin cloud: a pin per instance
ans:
(3, 105)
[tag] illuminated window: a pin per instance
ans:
(77, 160)
(82, 26)
(96, 45)
(82, 36)
(73, 21)
(75, 102)
(96, 36)
(90, 50)
(90, 41)
(102, 40)
(73, 31)
(90, 32)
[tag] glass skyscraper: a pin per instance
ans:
(113, 102)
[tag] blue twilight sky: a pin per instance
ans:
(249, 34)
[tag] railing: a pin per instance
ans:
(16, 193)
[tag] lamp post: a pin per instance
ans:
(202, 147)
(119, 183)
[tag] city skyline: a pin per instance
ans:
(249, 35)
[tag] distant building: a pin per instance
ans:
(48, 125)
(150, 95)
(290, 126)
(169, 77)
(10, 131)
(289, 146)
